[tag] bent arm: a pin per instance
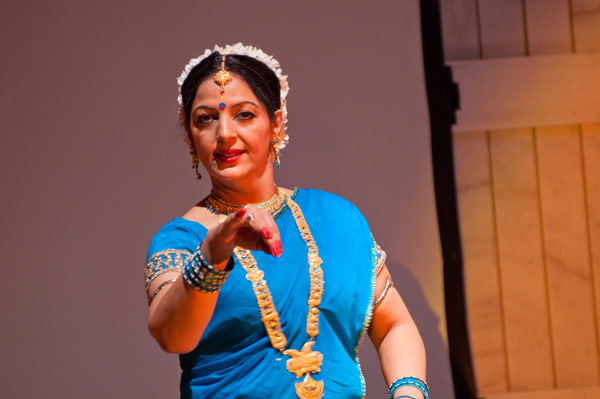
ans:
(396, 338)
(179, 314)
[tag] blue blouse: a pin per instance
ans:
(234, 358)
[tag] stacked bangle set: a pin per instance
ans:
(202, 276)
(411, 381)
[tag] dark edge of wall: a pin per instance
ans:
(442, 97)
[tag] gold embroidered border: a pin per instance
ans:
(380, 256)
(375, 268)
(169, 260)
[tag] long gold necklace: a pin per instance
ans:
(275, 204)
(304, 361)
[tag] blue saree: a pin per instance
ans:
(234, 358)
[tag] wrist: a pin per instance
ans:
(216, 252)
(203, 276)
(409, 387)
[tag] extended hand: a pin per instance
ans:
(250, 228)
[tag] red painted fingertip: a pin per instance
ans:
(273, 249)
(240, 213)
(265, 233)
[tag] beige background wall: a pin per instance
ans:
(92, 164)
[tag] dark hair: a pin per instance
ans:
(261, 79)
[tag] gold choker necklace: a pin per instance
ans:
(275, 205)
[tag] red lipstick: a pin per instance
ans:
(228, 156)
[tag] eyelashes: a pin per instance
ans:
(245, 115)
(207, 117)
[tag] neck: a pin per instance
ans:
(258, 191)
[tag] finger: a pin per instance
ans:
(262, 222)
(228, 229)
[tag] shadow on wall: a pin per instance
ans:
(429, 327)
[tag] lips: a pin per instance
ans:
(228, 156)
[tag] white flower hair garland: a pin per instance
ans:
(257, 54)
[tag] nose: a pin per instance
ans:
(225, 130)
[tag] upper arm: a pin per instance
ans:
(162, 269)
(389, 312)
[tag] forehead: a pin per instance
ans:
(238, 89)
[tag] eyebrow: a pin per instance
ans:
(233, 106)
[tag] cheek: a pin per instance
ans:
(203, 144)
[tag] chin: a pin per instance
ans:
(230, 173)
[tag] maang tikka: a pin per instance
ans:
(222, 79)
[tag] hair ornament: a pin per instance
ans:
(257, 54)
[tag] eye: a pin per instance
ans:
(206, 118)
(245, 115)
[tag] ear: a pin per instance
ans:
(188, 139)
(277, 124)
(186, 128)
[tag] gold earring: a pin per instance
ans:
(195, 164)
(275, 150)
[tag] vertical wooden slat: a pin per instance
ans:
(591, 156)
(586, 25)
(528, 345)
(548, 26)
(460, 29)
(480, 261)
(566, 247)
(502, 28)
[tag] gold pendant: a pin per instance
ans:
(306, 361)
(309, 388)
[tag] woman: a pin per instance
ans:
(267, 291)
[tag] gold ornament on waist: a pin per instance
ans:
(304, 361)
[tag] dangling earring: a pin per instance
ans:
(275, 150)
(195, 164)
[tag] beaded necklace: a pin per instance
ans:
(304, 361)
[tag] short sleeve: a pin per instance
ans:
(171, 248)
(378, 257)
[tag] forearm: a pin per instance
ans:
(179, 316)
(401, 353)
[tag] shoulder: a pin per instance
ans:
(178, 234)
(326, 199)
(330, 207)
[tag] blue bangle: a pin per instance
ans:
(202, 276)
(411, 381)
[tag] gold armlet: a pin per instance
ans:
(388, 284)
(160, 287)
